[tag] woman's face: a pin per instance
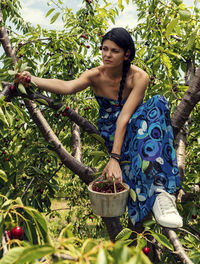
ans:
(112, 54)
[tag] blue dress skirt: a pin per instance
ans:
(148, 148)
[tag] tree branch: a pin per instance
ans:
(190, 99)
(179, 250)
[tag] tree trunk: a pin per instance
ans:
(190, 99)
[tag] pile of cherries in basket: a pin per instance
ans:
(107, 187)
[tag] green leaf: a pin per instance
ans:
(167, 62)
(145, 164)
(42, 101)
(98, 153)
(11, 72)
(191, 41)
(21, 88)
(162, 240)
(184, 15)
(101, 257)
(3, 175)
(1, 86)
(178, 2)
(3, 118)
(120, 5)
(149, 223)
(54, 17)
(171, 26)
(124, 234)
(50, 11)
(98, 137)
(22, 255)
(133, 194)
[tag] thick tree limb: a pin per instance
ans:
(73, 164)
(4, 39)
(179, 250)
(190, 99)
(86, 125)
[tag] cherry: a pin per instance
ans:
(87, 46)
(4, 152)
(24, 178)
(84, 36)
(40, 191)
(194, 216)
(146, 250)
(17, 232)
(28, 79)
(12, 87)
(64, 113)
(20, 55)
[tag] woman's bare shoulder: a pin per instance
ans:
(137, 72)
(93, 73)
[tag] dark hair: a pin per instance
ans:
(122, 38)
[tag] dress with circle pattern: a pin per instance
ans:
(148, 148)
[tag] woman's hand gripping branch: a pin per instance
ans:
(23, 78)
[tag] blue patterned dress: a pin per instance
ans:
(148, 146)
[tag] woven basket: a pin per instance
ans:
(108, 204)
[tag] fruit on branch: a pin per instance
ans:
(146, 250)
(64, 114)
(87, 46)
(28, 79)
(12, 87)
(40, 191)
(84, 36)
(194, 216)
(17, 232)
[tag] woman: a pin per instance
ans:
(134, 131)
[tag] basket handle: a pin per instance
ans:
(115, 191)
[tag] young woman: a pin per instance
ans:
(134, 131)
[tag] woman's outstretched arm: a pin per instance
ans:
(56, 85)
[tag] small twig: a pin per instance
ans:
(194, 229)
(59, 209)
(28, 186)
(64, 257)
(186, 231)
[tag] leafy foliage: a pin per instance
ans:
(167, 43)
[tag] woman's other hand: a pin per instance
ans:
(113, 169)
(23, 78)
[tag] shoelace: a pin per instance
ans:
(166, 202)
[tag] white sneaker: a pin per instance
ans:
(165, 211)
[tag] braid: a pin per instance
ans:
(126, 67)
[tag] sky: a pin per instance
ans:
(34, 11)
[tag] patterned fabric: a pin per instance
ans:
(148, 146)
